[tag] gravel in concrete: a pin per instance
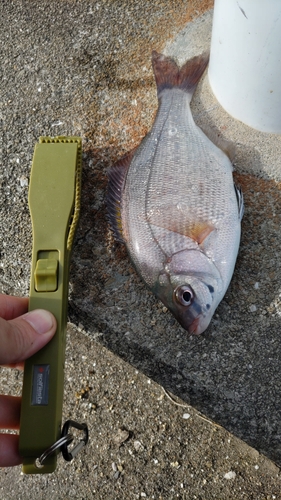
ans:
(83, 68)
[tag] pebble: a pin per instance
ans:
(115, 282)
(138, 446)
(176, 465)
(230, 475)
(121, 436)
(23, 181)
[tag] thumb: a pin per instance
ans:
(25, 335)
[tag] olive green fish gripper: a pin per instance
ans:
(54, 203)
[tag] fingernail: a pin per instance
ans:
(42, 321)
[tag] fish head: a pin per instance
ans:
(193, 303)
(191, 287)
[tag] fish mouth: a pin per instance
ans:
(193, 327)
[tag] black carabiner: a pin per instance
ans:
(69, 455)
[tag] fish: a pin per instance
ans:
(172, 201)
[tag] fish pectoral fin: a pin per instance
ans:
(116, 181)
(240, 201)
(199, 232)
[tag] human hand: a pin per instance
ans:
(22, 334)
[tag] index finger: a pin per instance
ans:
(12, 307)
(9, 450)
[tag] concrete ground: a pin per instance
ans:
(170, 416)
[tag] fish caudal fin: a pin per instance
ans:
(168, 75)
(116, 180)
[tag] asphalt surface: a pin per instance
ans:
(84, 68)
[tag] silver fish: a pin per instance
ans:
(173, 202)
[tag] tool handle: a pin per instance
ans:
(54, 196)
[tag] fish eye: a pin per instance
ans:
(184, 295)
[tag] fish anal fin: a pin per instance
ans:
(116, 181)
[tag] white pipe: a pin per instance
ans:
(245, 61)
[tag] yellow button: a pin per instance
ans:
(46, 275)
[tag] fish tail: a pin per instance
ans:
(168, 75)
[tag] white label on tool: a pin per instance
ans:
(40, 385)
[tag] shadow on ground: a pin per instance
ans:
(232, 373)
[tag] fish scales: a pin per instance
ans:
(179, 207)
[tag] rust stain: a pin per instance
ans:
(128, 76)
(122, 103)
(132, 116)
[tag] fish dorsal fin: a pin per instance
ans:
(116, 181)
(197, 231)
(168, 74)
